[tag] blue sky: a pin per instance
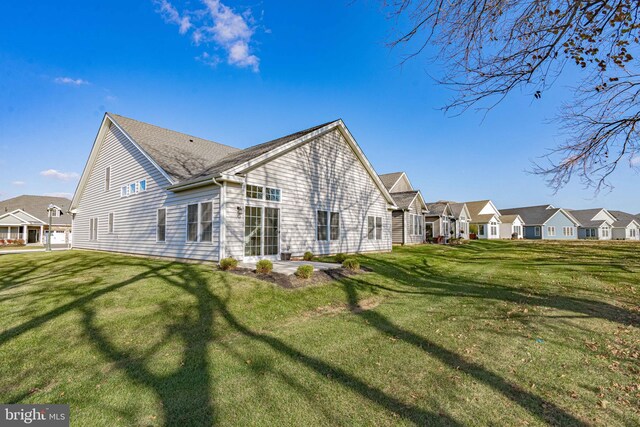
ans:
(241, 73)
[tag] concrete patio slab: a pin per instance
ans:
(290, 267)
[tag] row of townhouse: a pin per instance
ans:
(483, 220)
(154, 191)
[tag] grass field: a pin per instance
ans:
(499, 333)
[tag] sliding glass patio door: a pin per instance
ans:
(261, 232)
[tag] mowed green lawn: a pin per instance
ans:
(499, 333)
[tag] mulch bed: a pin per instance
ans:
(291, 281)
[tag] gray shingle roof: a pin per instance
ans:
(623, 218)
(585, 216)
(187, 158)
(475, 207)
(532, 215)
(456, 208)
(180, 155)
(388, 179)
(247, 154)
(404, 199)
(436, 208)
(508, 219)
(37, 206)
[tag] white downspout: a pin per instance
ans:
(222, 230)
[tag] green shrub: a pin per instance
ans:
(340, 258)
(264, 266)
(351, 264)
(304, 271)
(228, 264)
(308, 256)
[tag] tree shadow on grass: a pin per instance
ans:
(186, 393)
(422, 279)
(542, 409)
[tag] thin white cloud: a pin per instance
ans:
(219, 25)
(207, 59)
(70, 81)
(66, 195)
(172, 16)
(62, 176)
(18, 183)
(635, 160)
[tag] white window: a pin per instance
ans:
(494, 228)
(371, 227)
(142, 185)
(192, 223)
(374, 227)
(124, 191)
(537, 231)
(272, 194)
(55, 213)
(132, 188)
(107, 178)
(327, 225)
(516, 229)
(206, 222)
(605, 232)
(335, 226)
(551, 230)
(254, 192)
(481, 229)
(93, 229)
(161, 226)
(111, 220)
(321, 225)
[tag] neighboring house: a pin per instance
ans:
(407, 219)
(511, 226)
(25, 217)
(152, 191)
(440, 220)
(626, 226)
(595, 224)
(546, 222)
(462, 218)
(485, 219)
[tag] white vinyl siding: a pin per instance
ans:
(137, 215)
(322, 175)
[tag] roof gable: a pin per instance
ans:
(390, 179)
(482, 207)
(36, 207)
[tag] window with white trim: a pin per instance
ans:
(161, 225)
(258, 192)
(55, 213)
(494, 228)
(536, 231)
(334, 226)
(254, 192)
(133, 188)
(322, 225)
(272, 194)
(481, 229)
(107, 178)
(93, 229)
(206, 222)
(111, 221)
(551, 230)
(192, 223)
(374, 227)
